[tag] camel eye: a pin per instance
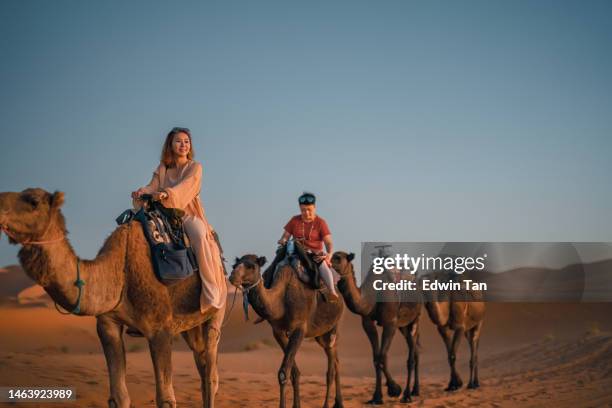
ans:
(32, 200)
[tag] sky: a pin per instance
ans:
(411, 121)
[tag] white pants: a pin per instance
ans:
(214, 288)
(327, 275)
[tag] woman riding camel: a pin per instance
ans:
(176, 183)
(312, 231)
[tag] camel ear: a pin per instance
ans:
(237, 260)
(350, 257)
(261, 261)
(57, 199)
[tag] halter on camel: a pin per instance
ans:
(79, 283)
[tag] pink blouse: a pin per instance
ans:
(182, 186)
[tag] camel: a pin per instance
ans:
(391, 315)
(455, 315)
(120, 289)
(295, 311)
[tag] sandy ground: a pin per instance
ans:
(551, 355)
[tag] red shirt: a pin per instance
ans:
(308, 233)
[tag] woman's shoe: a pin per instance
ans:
(332, 297)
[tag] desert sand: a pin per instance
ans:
(551, 355)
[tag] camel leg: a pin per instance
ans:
(416, 386)
(203, 340)
(295, 340)
(452, 345)
(329, 343)
(370, 328)
(110, 334)
(212, 335)
(194, 338)
(160, 346)
(393, 388)
(473, 337)
(282, 340)
(339, 403)
(410, 332)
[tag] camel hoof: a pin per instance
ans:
(112, 403)
(168, 403)
(473, 386)
(415, 392)
(394, 390)
(338, 405)
(406, 399)
(375, 401)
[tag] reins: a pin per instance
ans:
(5, 229)
(79, 283)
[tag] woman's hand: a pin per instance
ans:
(136, 194)
(159, 195)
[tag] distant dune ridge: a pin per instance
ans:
(13, 280)
(16, 286)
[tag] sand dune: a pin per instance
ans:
(12, 281)
(531, 355)
(559, 365)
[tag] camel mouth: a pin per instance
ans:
(235, 282)
(4, 229)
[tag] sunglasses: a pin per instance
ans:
(180, 129)
(307, 199)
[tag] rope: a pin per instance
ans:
(245, 297)
(228, 314)
(79, 283)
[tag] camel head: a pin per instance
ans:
(27, 216)
(246, 270)
(343, 263)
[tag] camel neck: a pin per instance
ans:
(53, 266)
(269, 303)
(353, 294)
(43, 262)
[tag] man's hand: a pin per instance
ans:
(323, 258)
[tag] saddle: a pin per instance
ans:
(302, 262)
(171, 253)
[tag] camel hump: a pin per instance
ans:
(308, 277)
(301, 263)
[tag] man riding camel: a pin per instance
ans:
(313, 233)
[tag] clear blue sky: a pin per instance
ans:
(412, 121)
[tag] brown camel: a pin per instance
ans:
(120, 289)
(455, 315)
(391, 314)
(295, 311)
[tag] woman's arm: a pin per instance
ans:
(186, 190)
(148, 189)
